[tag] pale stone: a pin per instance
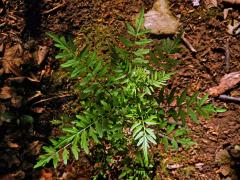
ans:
(159, 20)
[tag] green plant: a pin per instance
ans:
(124, 102)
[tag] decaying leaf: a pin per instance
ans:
(232, 1)
(233, 28)
(211, 3)
(40, 54)
(16, 101)
(227, 82)
(13, 145)
(159, 20)
(13, 59)
(7, 92)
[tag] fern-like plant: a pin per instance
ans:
(123, 100)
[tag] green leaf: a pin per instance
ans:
(85, 52)
(182, 98)
(150, 122)
(193, 99)
(136, 124)
(75, 149)
(140, 61)
(141, 52)
(170, 128)
(203, 100)
(137, 129)
(220, 110)
(180, 132)
(126, 42)
(84, 141)
(92, 133)
(55, 160)
(150, 138)
(174, 144)
(130, 29)
(151, 133)
(186, 142)
(193, 115)
(143, 42)
(170, 97)
(143, 32)
(70, 130)
(99, 129)
(65, 156)
(140, 141)
(140, 20)
(69, 63)
(140, 134)
(165, 143)
(27, 119)
(182, 115)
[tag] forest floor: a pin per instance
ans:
(31, 95)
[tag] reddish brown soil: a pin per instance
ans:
(26, 22)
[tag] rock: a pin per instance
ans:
(159, 20)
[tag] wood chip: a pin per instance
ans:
(227, 82)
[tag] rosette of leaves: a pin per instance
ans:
(119, 101)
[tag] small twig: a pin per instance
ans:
(188, 44)
(229, 98)
(52, 98)
(227, 56)
(55, 8)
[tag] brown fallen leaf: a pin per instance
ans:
(13, 145)
(211, 3)
(46, 175)
(12, 59)
(16, 101)
(232, 1)
(40, 54)
(7, 92)
(227, 82)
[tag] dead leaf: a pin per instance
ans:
(40, 54)
(233, 28)
(38, 109)
(13, 145)
(227, 82)
(174, 166)
(12, 59)
(16, 101)
(46, 175)
(1, 48)
(232, 1)
(159, 20)
(7, 92)
(225, 170)
(225, 12)
(34, 148)
(211, 3)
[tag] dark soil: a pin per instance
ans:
(37, 96)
